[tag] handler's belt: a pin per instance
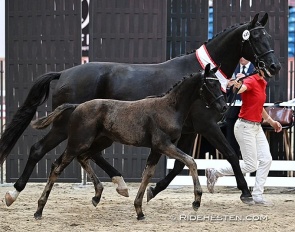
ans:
(250, 122)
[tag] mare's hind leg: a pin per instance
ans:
(100, 144)
(185, 144)
(57, 167)
(113, 173)
(55, 136)
(148, 172)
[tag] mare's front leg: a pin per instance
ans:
(37, 152)
(215, 136)
(148, 172)
(57, 167)
(185, 144)
(206, 125)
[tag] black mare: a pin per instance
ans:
(136, 81)
(154, 122)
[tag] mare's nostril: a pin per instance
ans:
(275, 67)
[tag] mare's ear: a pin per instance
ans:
(207, 69)
(264, 19)
(254, 21)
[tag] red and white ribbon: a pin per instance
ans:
(204, 58)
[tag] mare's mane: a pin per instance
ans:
(193, 51)
(214, 36)
(226, 29)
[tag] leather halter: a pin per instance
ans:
(260, 65)
(204, 85)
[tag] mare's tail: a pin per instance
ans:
(23, 116)
(44, 122)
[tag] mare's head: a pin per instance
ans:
(256, 46)
(249, 40)
(210, 90)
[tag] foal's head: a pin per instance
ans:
(211, 90)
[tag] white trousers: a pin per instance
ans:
(255, 152)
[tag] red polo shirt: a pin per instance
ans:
(253, 98)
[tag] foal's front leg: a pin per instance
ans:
(173, 152)
(185, 144)
(148, 172)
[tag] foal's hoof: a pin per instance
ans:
(37, 216)
(95, 201)
(149, 194)
(8, 199)
(123, 191)
(196, 205)
(247, 200)
(140, 216)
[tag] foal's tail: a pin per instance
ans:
(44, 122)
(23, 116)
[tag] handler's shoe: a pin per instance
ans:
(211, 178)
(259, 200)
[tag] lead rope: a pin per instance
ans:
(233, 102)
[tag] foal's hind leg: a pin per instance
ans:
(96, 182)
(37, 152)
(57, 167)
(148, 172)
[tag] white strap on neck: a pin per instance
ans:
(204, 58)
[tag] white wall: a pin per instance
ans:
(2, 28)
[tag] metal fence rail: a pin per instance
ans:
(2, 111)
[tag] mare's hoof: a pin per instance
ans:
(196, 205)
(95, 201)
(123, 191)
(149, 194)
(37, 216)
(8, 199)
(247, 200)
(140, 216)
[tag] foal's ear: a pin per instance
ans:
(264, 19)
(215, 69)
(207, 69)
(254, 21)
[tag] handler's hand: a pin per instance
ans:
(276, 126)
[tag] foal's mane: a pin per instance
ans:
(174, 86)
